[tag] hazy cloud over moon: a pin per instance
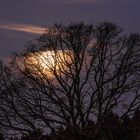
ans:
(23, 28)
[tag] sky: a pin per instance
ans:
(25, 20)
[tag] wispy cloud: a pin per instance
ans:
(65, 2)
(32, 29)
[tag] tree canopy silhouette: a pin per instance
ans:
(69, 76)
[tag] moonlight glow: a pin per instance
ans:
(48, 62)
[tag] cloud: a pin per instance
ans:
(27, 28)
(65, 2)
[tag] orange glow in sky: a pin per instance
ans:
(48, 62)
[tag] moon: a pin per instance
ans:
(48, 63)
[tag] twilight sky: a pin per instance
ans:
(25, 20)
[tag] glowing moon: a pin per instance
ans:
(48, 63)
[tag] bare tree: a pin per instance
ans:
(70, 75)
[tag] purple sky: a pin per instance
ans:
(24, 20)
